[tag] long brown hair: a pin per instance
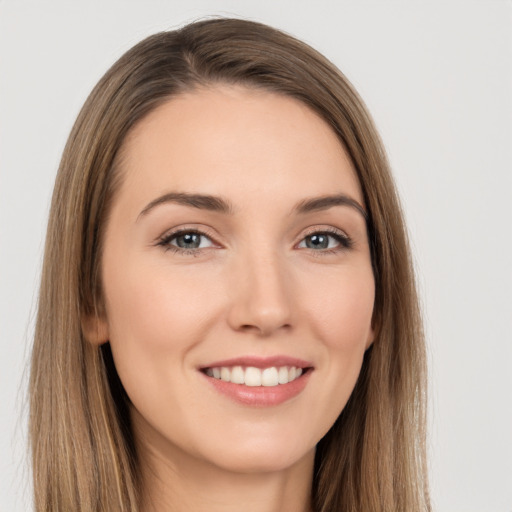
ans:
(373, 458)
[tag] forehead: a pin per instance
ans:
(238, 141)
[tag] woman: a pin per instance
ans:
(228, 314)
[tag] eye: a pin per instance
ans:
(327, 240)
(186, 241)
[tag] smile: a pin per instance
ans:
(253, 377)
(259, 382)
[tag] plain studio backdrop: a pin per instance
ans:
(436, 76)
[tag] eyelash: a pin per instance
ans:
(344, 241)
(165, 242)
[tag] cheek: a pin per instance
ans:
(156, 319)
(153, 308)
(342, 315)
(341, 309)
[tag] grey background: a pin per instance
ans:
(437, 78)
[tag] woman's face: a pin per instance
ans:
(237, 247)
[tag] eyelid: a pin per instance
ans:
(324, 229)
(344, 240)
(330, 230)
(165, 239)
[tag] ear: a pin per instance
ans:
(95, 329)
(374, 331)
(371, 338)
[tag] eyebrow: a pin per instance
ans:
(200, 201)
(221, 205)
(324, 202)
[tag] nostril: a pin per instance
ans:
(264, 329)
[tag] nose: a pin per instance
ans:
(261, 296)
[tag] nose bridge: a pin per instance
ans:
(263, 296)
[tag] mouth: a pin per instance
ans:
(259, 381)
(252, 376)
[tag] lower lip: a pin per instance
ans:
(260, 396)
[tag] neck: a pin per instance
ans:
(173, 481)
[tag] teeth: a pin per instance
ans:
(283, 375)
(255, 377)
(269, 377)
(252, 376)
(237, 375)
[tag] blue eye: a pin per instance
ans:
(186, 241)
(325, 241)
(191, 242)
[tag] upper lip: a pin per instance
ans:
(261, 362)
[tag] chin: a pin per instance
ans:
(260, 457)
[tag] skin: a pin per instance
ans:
(254, 287)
